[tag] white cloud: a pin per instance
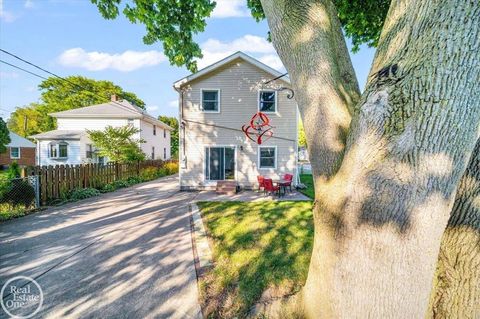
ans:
(5, 15)
(173, 103)
(152, 108)
(29, 4)
(230, 8)
(97, 61)
(214, 50)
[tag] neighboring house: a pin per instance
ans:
(214, 104)
(19, 150)
(70, 144)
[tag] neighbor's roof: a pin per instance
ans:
(117, 109)
(18, 141)
(216, 65)
(60, 135)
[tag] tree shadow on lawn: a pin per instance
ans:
(261, 251)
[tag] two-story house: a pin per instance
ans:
(214, 104)
(70, 144)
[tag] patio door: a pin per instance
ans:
(219, 163)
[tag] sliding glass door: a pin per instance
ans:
(219, 163)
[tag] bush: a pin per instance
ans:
(18, 192)
(13, 171)
(171, 168)
(8, 212)
(82, 193)
(149, 173)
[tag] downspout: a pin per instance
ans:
(182, 139)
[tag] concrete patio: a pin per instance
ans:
(248, 196)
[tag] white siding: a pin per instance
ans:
(90, 123)
(157, 141)
(239, 84)
(74, 150)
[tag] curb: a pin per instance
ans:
(201, 249)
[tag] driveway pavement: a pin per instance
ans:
(125, 254)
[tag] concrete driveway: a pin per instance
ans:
(125, 254)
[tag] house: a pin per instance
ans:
(19, 150)
(214, 104)
(70, 144)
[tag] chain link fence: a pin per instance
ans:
(18, 193)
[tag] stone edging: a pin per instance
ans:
(201, 248)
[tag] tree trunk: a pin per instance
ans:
(456, 292)
(379, 219)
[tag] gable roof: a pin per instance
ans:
(117, 109)
(228, 59)
(18, 141)
(60, 135)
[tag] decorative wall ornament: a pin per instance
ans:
(259, 129)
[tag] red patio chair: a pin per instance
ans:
(261, 184)
(289, 179)
(269, 188)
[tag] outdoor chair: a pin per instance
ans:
(261, 184)
(269, 187)
(289, 179)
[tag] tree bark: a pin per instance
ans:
(380, 216)
(456, 292)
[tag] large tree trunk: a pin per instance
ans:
(456, 292)
(379, 219)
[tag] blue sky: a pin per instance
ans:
(69, 37)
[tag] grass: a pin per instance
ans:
(307, 180)
(258, 248)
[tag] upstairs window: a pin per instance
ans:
(164, 133)
(154, 130)
(267, 101)
(14, 152)
(211, 100)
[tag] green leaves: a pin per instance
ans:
(4, 136)
(118, 143)
(174, 141)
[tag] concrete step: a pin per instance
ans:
(226, 187)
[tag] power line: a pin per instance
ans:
(24, 70)
(55, 75)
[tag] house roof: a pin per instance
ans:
(117, 109)
(60, 135)
(18, 141)
(216, 65)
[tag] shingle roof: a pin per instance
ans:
(18, 141)
(60, 135)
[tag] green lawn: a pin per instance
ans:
(307, 179)
(257, 246)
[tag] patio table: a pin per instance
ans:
(282, 183)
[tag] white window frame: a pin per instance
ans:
(274, 161)
(57, 148)
(19, 153)
(259, 104)
(210, 181)
(201, 100)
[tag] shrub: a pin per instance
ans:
(8, 212)
(82, 193)
(171, 168)
(149, 173)
(18, 192)
(13, 171)
(134, 180)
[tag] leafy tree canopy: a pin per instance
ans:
(174, 23)
(58, 95)
(118, 143)
(172, 122)
(4, 136)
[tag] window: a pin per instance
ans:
(164, 153)
(210, 100)
(267, 157)
(89, 151)
(14, 152)
(153, 152)
(164, 133)
(219, 163)
(58, 150)
(130, 122)
(267, 101)
(154, 130)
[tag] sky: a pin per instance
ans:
(69, 37)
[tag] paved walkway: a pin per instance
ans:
(125, 254)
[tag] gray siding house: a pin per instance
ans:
(214, 104)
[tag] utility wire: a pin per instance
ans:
(55, 75)
(24, 70)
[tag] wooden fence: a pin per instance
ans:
(57, 180)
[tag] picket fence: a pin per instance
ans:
(54, 181)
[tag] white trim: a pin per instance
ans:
(201, 100)
(276, 157)
(19, 152)
(212, 182)
(227, 60)
(276, 101)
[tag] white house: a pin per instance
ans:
(69, 143)
(214, 104)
